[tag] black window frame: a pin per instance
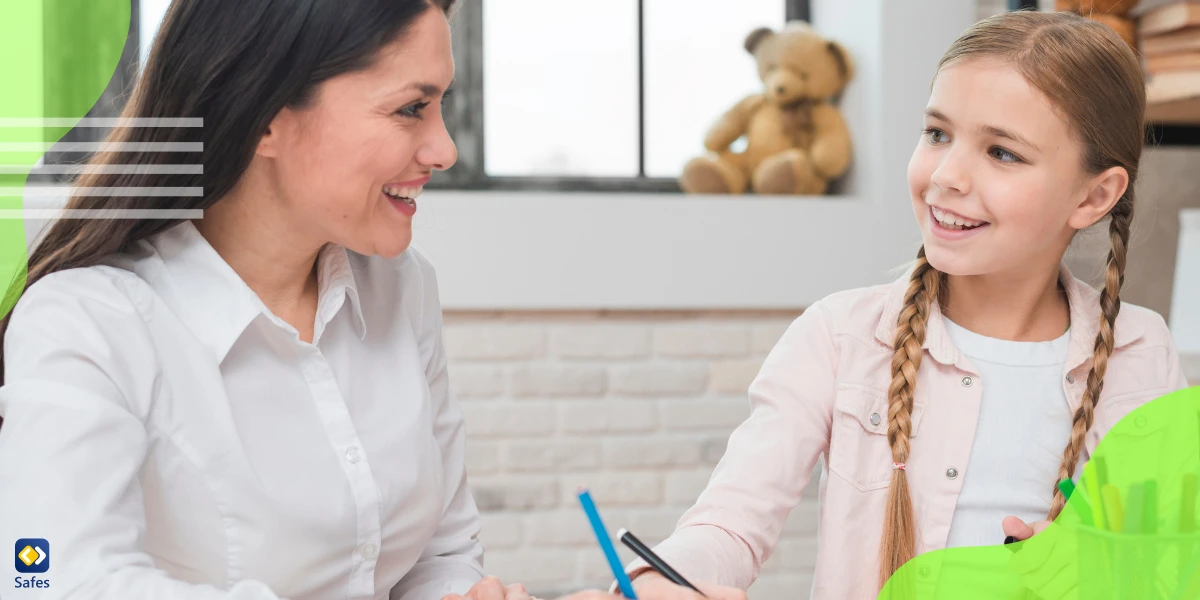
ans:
(464, 117)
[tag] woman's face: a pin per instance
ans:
(350, 165)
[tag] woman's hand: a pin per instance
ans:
(1047, 564)
(490, 588)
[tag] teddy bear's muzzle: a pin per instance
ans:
(785, 88)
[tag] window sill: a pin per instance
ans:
(548, 250)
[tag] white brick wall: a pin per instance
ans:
(637, 407)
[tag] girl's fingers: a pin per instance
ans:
(1017, 528)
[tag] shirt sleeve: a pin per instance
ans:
(79, 377)
(453, 560)
(738, 519)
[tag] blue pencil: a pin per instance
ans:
(610, 552)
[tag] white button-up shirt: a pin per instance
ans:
(169, 437)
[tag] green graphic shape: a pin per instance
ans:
(1129, 529)
(56, 59)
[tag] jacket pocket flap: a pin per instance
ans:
(869, 406)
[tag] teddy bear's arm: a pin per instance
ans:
(830, 151)
(733, 124)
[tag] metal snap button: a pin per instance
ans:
(874, 418)
(951, 473)
(967, 381)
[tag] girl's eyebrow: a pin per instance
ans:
(937, 114)
(986, 129)
(1004, 133)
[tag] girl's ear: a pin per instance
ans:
(1104, 190)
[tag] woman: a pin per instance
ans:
(253, 404)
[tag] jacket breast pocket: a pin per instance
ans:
(858, 447)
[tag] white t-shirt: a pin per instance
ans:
(1024, 425)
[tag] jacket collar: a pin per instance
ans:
(1083, 301)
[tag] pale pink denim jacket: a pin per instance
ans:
(819, 392)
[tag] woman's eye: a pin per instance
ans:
(413, 111)
(936, 136)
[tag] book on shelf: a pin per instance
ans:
(1179, 61)
(1172, 86)
(1177, 15)
(1183, 40)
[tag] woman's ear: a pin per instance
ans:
(269, 143)
(1104, 190)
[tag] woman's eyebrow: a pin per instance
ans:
(427, 89)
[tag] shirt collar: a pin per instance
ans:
(1083, 301)
(214, 302)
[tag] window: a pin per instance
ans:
(608, 96)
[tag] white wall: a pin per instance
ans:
(555, 250)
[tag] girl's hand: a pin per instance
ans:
(1022, 531)
(490, 588)
(650, 585)
(1047, 564)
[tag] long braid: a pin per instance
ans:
(1110, 306)
(899, 525)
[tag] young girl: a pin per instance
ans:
(958, 396)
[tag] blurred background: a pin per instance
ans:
(602, 326)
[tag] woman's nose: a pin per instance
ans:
(438, 152)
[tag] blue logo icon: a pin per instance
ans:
(32, 555)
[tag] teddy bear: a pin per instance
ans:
(796, 138)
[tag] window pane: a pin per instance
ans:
(696, 69)
(560, 88)
(150, 16)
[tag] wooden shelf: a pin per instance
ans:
(1177, 112)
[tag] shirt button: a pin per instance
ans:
(352, 454)
(874, 418)
(368, 551)
(1070, 378)
(967, 381)
(951, 473)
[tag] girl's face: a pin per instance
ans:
(997, 180)
(348, 167)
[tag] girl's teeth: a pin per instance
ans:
(952, 222)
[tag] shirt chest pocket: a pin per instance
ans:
(858, 447)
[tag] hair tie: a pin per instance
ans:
(900, 466)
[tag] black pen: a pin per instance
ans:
(645, 553)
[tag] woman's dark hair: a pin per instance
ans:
(234, 64)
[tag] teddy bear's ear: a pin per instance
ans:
(844, 62)
(756, 37)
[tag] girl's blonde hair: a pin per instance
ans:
(1094, 80)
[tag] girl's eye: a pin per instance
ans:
(413, 111)
(936, 136)
(1003, 155)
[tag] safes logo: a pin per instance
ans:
(32, 556)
